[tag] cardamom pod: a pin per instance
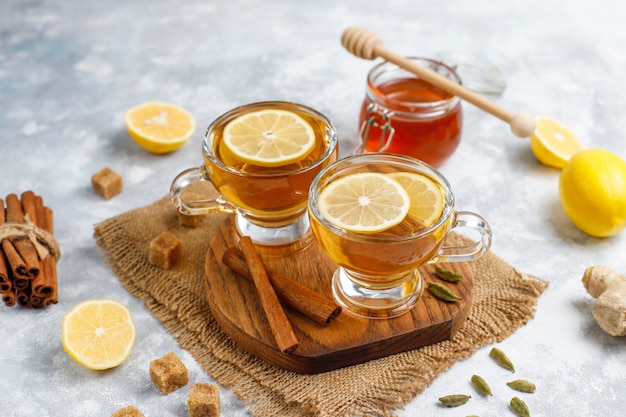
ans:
(442, 292)
(502, 359)
(447, 275)
(522, 385)
(480, 385)
(454, 400)
(519, 407)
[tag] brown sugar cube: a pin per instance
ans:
(203, 400)
(189, 220)
(168, 373)
(129, 411)
(107, 183)
(165, 249)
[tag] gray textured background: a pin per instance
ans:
(70, 69)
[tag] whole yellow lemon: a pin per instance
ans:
(592, 187)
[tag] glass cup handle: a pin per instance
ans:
(474, 249)
(196, 207)
(374, 115)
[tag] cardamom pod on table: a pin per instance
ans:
(502, 359)
(480, 385)
(454, 400)
(519, 407)
(522, 385)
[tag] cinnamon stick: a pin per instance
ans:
(279, 323)
(28, 253)
(15, 263)
(23, 297)
(43, 286)
(291, 293)
(8, 298)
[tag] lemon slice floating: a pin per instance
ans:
(98, 333)
(269, 137)
(365, 202)
(425, 196)
(159, 127)
(552, 144)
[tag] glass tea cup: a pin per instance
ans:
(378, 273)
(270, 202)
(401, 113)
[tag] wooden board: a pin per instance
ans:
(346, 340)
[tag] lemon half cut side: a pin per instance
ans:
(552, 144)
(269, 137)
(98, 333)
(159, 127)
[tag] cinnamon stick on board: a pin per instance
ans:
(279, 323)
(293, 294)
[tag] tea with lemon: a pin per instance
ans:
(263, 159)
(411, 206)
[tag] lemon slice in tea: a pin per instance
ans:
(425, 195)
(366, 202)
(269, 137)
(552, 144)
(159, 127)
(98, 333)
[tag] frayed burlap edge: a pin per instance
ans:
(504, 300)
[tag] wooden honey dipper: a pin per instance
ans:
(365, 44)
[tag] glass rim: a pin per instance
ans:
(448, 209)
(332, 139)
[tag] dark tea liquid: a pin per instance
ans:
(424, 127)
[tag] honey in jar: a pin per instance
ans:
(404, 114)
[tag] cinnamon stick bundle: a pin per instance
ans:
(279, 323)
(28, 252)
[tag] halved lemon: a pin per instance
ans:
(425, 195)
(366, 202)
(553, 144)
(98, 333)
(159, 127)
(269, 137)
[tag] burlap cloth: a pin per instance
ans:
(504, 299)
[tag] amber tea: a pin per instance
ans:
(377, 274)
(261, 159)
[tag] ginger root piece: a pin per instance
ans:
(608, 287)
